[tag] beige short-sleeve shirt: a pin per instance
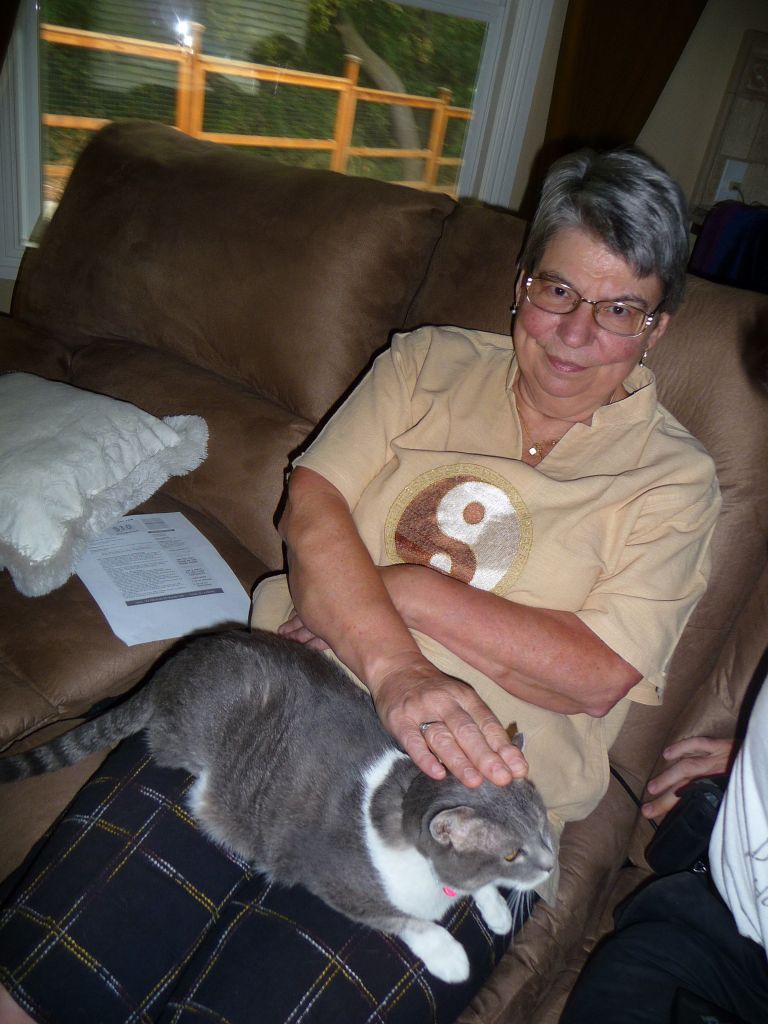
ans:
(613, 525)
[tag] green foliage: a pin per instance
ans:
(427, 51)
(72, 13)
(278, 51)
(263, 109)
(322, 14)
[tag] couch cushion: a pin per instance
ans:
(282, 278)
(57, 654)
(700, 368)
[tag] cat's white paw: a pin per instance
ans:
(443, 956)
(494, 909)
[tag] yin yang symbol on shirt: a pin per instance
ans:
(464, 520)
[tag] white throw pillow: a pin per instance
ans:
(71, 463)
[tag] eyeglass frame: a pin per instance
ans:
(594, 303)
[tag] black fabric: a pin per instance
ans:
(691, 1009)
(8, 11)
(682, 839)
(732, 246)
(128, 913)
(675, 952)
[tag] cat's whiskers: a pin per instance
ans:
(520, 903)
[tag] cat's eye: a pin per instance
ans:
(511, 856)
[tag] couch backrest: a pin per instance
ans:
(471, 280)
(704, 371)
(280, 278)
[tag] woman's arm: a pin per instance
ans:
(549, 658)
(341, 598)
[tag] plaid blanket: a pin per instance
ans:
(126, 913)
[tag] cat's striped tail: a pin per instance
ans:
(98, 734)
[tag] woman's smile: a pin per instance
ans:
(561, 366)
(569, 365)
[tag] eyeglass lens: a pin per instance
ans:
(616, 317)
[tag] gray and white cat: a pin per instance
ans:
(295, 773)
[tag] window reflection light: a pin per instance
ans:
(184, 32)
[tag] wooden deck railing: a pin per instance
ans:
(194, 65)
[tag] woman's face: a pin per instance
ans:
(568, 363)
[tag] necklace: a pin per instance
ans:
(537, 449)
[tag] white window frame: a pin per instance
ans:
(514, 46)
(515, 38)
(20, 171)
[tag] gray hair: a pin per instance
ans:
(628, 202)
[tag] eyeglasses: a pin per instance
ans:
(616, 317)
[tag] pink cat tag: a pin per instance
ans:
(449, 891)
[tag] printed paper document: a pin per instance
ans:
(156, 577)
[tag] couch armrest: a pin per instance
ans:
(58, 657)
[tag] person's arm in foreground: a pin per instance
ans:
(689, 759)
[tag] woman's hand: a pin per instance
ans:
(463, 735)
(294, 629)
(343, 602)
(692, 758)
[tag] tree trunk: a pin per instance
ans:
(384, 77)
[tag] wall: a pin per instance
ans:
(680, 127)
(537, 119)
(739, 147)
(679, 130)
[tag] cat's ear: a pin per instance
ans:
(459, 827)
(519, 741)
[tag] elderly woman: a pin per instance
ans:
(517, 529)
(487, 532)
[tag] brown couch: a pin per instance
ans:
(191, 278)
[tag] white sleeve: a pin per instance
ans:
(738, 850)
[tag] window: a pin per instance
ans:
(20, 186)
(308, 104)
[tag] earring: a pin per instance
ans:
(642, 358)
(514, 310)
